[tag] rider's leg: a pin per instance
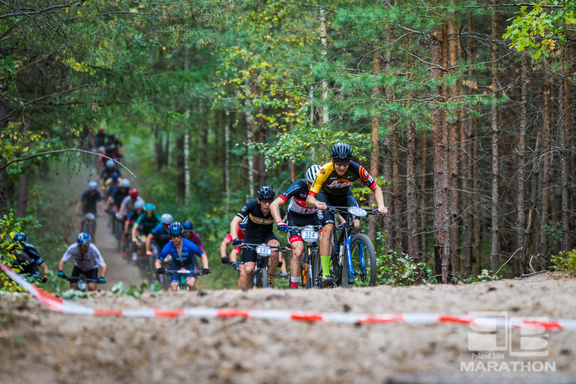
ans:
(297, 250)
(73, 285)
(174, 286)
(273, 262)
(248, 274)
(283, 267)
(242, 277)
(91, 286)
(326, 248)
(191, 281)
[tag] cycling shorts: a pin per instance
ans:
(250, 255)
(175, 278)
(327, 217)
(299, 220)
(90, 274)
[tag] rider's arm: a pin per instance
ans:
(78, 207)
(103, 271)
(121, 212)
(313, 202)
(380, 200)
(234, 226)
(227, 240)
(204, 260)
(148, 241)
(61, 265)
(44, 267)
(275, 208)
(101, 208)
(109, 202)
(134, 228)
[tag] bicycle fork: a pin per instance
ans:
(349, 257)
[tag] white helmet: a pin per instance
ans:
(166, 218)
(125, 183)
(92, 185)
(110, 164)
(139, 204)
(312, 172)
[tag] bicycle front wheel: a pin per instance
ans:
(261, 278)
(364, 274)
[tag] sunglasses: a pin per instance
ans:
(341, 163)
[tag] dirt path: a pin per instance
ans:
(47, 347)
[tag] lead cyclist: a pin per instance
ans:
(333, 187)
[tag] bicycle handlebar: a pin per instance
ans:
(299, 228)
(369, 211)
(185, 271)
(253, 246)
(75, 278)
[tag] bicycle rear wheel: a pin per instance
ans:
(315, 269)
(364, 276)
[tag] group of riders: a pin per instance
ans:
(169, 241)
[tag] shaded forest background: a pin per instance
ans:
(471, 138)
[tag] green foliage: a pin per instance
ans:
(540, 27)
(553, 234)
(565, 262)
(132, 290)
(484, 276)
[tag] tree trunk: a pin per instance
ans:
(387, 190)
(181, 176)
(411, 194)
(187, 163)
(374, 155)
(564, 157)
(453, 155)
(158, 149)
(423, 201)
(494, 253)
(440, 140)
(546, 167)
(396, 191)
(324, 40)
(227, 163)
(520, 224)
(22, 195)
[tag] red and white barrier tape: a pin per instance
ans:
(66, 306)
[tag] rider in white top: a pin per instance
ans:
(87, 259)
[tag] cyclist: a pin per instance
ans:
(118, 195)
(90, 202)
(114, 147)
(191, 235)
(299, 214)
(144, 223)
(159, 234)
(258, 230)
(108, 171)
(228, 239)
(87, 260)
(100, 139)
(126, 208)
(28, 259)
(182, 253)
(332, 187)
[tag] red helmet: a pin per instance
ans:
(133, 192)
(101, 128)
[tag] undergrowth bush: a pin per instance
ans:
(565, 262)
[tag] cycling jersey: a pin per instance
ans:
(89, 201)
(330, 182)
(147, 223)
(258, 225)
(240, 236)
(29, 254)
(100, 140)
(128, 204)
(184, 259)
(106, 173)
(195, 238)
(90, 260)
(118, 195)
(298, 192)
(161, 236)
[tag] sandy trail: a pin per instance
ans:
(42, 346)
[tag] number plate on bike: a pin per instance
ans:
(356, 211)
(90, 216)
(82, 285)
(309, 235)
(263, 250)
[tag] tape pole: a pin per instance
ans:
(59, 305)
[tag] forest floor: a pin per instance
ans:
(40, 346)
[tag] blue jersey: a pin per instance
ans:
(161, 236)
(186, 259)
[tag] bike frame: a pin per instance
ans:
(346, 239)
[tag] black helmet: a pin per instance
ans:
(266, 193)
(111, 136)
(341, 151)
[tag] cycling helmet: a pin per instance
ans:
(312, 172)
(266, 193)
(188, 225)
(92, 185)
(166, 218)
(101, 129)
(83, 238)
(111, 136)
(133, 192)
(140, 204)
(243, 223)
(175, 229)
(20, 238)
(341, 151)
(115, 176)
(110, 164)
(148, 207)
(125, 183)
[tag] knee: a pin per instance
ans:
(327, 230)
(248, 269)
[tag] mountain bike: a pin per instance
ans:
(261, 272)
(81, 280)
(182, 276)
(89, 225)
(310, 266)
(353, 254)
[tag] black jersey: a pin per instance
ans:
(29, 254)
(118, 195)
(100, 139)
(258, 225)
(298, 192)
(89, 201)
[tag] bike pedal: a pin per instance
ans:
(351, 280)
